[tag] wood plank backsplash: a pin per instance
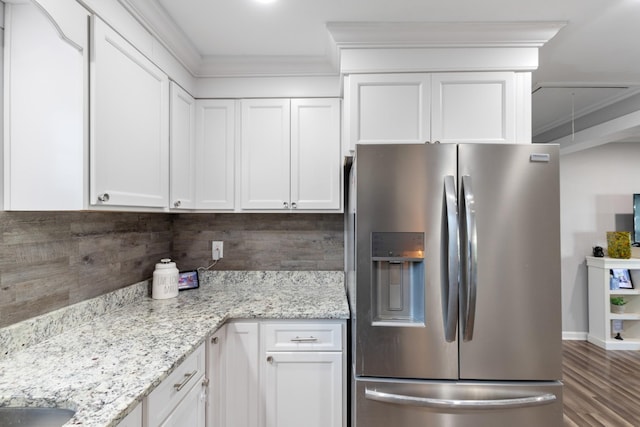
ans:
(260, 241)
(53, 259)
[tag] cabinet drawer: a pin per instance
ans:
(302, 336)
(161, 402)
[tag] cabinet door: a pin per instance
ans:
(241, 385)
(191, 410)
(316, 164)
(182, 149)
(46, 90)
(129, 155)
(215, 144)
(388, 108)
(134, 419)
(473, 107)
(216, 372)
(265, 166)
(303, 389)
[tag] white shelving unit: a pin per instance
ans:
(600, 316)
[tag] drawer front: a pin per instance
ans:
(161, 402)
(300, 336)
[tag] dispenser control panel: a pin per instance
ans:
(397, 245)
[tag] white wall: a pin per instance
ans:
(596, 188)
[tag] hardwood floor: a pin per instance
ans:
(601, 388)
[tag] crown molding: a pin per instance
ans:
(263, 66)
(342, 36)
(156, 20)
(442, 34)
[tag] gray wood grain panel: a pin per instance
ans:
(49, 260)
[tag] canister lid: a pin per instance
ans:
(165, 263)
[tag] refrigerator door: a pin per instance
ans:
(510, 315)
(430, 403)
(405, 293)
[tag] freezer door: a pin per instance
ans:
(427, 403)
(402, 281)
(510, 257)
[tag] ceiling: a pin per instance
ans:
(593, 62)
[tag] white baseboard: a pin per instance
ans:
(574, 336)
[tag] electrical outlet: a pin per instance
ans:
(216, 250)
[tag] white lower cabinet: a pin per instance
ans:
(191, 410)
(303, 389)
(277, 374)
(180, 400)
(134, 419)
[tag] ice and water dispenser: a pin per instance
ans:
(397, 278)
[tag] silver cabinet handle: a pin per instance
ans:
(270, 359)
(470, 268)
(451, 285)
(214, 340)
(103, 197)
(461, 404)
(187, 377)
(177, 204)
(294, 205)
(285, 205)
(304, 339)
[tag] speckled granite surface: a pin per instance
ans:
(104, 366)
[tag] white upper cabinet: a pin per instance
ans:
(388, 108)
(129, 146)
(316, 164)
(215, 155)
(264, 153)
(477, 107)
(290, 154)
(473, 107)
(45, 104)
(182, 149)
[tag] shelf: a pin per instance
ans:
(606, 262)
(614, 344)
(624, 291)
(624, 316)
(600, 315)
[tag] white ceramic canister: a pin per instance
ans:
(165, 280)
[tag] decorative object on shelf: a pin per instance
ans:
(619, 244)
(617, 304)
(618, 337)
(620, 279)
(598, 251)
(617, 326)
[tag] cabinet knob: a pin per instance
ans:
(270, 359)
(294, 205)
(177, 204)
(103, 197)
(214, 340)
(285, 205)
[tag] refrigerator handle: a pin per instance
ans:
(470, 258)
(451, 281)
(461, 404)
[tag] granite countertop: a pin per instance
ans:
(104, 366)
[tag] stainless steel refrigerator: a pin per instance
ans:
(453, 276)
